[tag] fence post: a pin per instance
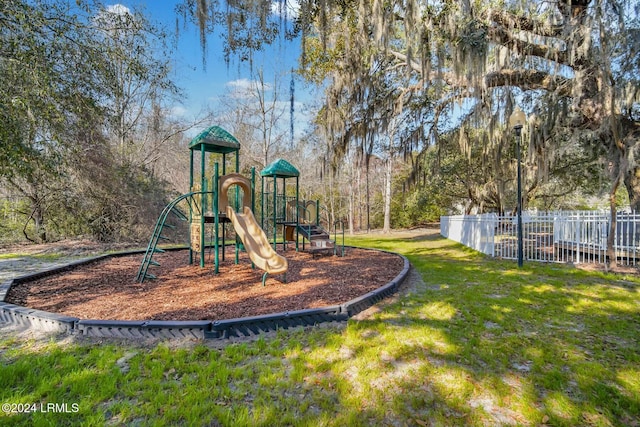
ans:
(578, 238)
(492, 230)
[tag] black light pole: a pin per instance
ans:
(516, 121)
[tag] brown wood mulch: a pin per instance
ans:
(107, 290)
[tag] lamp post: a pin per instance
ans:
(516, 121)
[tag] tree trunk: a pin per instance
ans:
(387, 195)
(632, 185)
(37, 215)
(611, 238)
(332, 209)
(368, 195)
(351, 203)
(38, 219)
(359, 203)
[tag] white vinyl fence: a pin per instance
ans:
(577, 237)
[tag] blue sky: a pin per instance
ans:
(203, 86)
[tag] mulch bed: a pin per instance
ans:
(107, 290)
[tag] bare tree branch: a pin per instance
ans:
(525, 23)
(529, 80)
(507, 38)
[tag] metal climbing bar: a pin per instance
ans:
(161, 223)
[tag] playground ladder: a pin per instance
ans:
(157, 235)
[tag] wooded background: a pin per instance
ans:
(411, 123)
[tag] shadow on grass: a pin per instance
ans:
(493, 344)
(480, 343)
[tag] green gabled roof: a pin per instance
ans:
(280, 169)
(214, 139)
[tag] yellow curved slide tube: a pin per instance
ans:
(256, 243)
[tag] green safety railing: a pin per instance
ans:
(335, 237)
(161, 223)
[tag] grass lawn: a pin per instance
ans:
(480, 343)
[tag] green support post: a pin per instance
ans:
(216, 216)
(335, 237)
(203, 185)
(275, 210)
(203, 201)
(284, 201)
(262, 202)
(253, 198)
(237, 250)
(224, 238)
(297, 210)
(190, 207)
(253, 190)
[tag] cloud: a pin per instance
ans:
(244, 88)
(118, 9)
(113, 16)
(240, 84)
(178, 111)
(246, 84)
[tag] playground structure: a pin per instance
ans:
(228, 198)
(108, 308)
(283, 210)
(210, 205)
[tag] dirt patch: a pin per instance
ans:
(106, 289)
(66, 248)
(629, 270)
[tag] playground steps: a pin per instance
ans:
(313, 232)
(319, 239)
(321, 245)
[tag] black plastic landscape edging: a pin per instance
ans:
(199, 329)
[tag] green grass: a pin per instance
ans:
(45, 257)
(481, 343)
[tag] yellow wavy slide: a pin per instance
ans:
(256, 243)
